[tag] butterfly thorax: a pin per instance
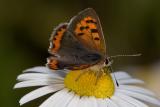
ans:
(96, 67)
(100, 67)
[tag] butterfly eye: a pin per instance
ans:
(106, 61)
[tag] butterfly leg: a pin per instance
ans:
(98, 75)
(82, 73)
(111, 70)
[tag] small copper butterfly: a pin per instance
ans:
(78, 44)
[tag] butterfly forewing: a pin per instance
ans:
(87, 29)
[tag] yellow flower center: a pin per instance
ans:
(90, 83)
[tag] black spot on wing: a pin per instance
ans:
(56, 34)
(82, 28)
(60, 29)
(80, 34)
(94, 30)
(87, 27)
(90, 21)
(96, 38)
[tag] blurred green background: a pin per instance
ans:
(130, 27)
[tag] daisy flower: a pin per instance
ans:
(110, 90)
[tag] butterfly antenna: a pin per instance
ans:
(115, 56)
(111, 69)
(111, 60)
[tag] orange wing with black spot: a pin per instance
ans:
(55, 45)
(56, 38)
(87, 29)
(78, 44)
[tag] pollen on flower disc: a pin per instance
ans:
(88, 85)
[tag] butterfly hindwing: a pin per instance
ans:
(55, 45)
(56, 38)
(71, 54)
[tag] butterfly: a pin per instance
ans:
(78, 44)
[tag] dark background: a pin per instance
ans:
(130, 27)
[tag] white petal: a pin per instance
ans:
(54, 98)
(83, 102)
(136, 89)
(34, 76)
(59, 99)
(121, 75)
(90, 102)
(102, 103)
(111, 103)
(141, 97)
(64, 101)
(120, 102)
(93, 101)
(45, 70)
(40, 92)
(131, 100)
(74, 101)
(39, 82)
(40, 69)
(87, 102)
(130, 81)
